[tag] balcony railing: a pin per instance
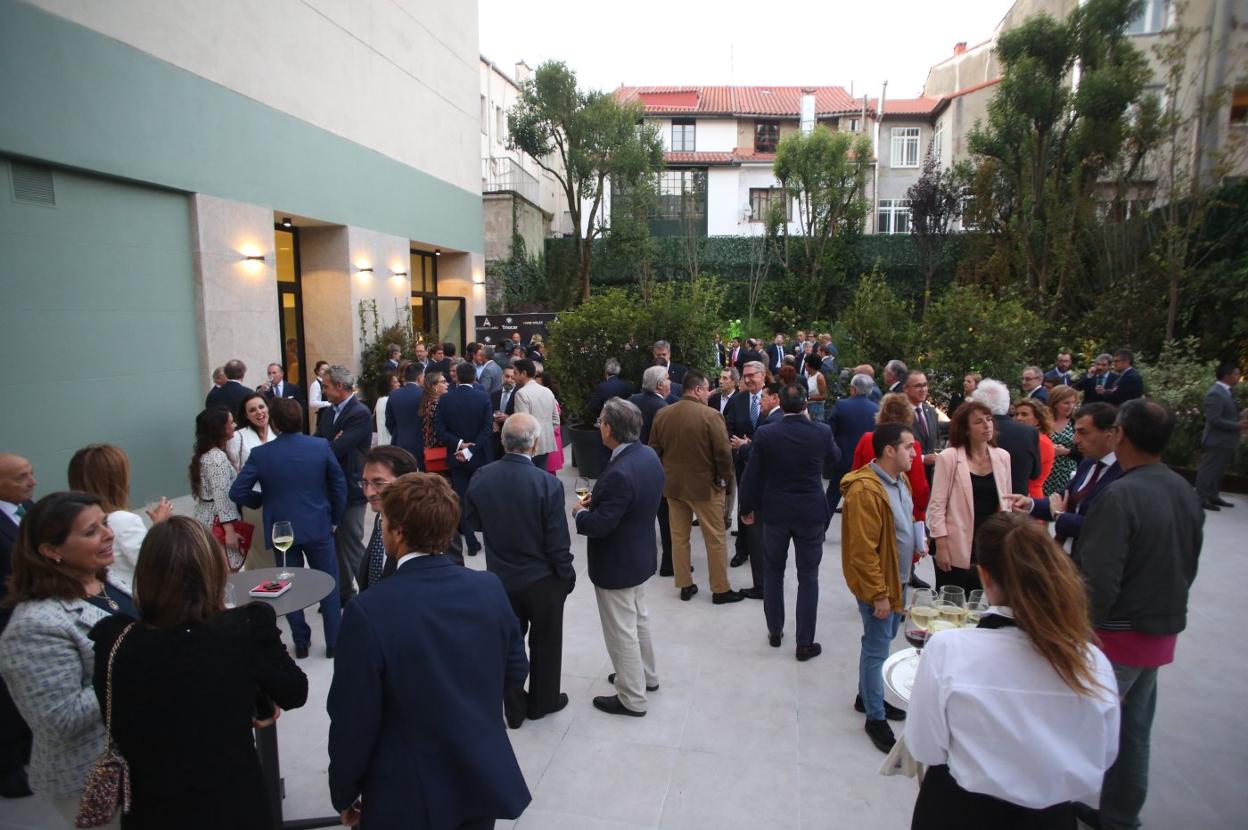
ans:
(502, 175)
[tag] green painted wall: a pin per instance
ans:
(72, 96)
(98, 329)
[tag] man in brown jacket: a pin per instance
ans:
(689, 438)
(878, 536)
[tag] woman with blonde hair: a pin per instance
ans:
(1018, 717)
(1035, 413)
(1062, 403)
(103, 470)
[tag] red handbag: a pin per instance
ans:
(245, 530)
(435, 460)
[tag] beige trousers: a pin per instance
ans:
(626, 630)
(710, 515)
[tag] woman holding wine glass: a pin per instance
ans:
(1018, 717)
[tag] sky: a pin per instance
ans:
(799, 42)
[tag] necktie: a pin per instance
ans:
(21, 511)
(754, 410)
(921, 423)
(1082, 493)
(376, 554)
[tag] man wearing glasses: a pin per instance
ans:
(382, 465)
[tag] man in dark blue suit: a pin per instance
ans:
(279, 387)
(382, 465)
(618, 520)
(611, 387)
(662, 352)
(503, 404)
(416, 737)
(851, 418)
(230, 394)
(17, 485)
(464, 423)
(775, 353)
(1125, 384)
(656, 388)
(348, 427)
(403, 420)
(519, 510)
(301, 482)
(744, 414)
(783, 485)
(1096, 436)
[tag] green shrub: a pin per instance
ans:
(374, 339)
(880, 323)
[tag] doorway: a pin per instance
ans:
(290, 304)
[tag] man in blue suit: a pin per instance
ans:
(407, 428)
(783, 485)
(618, 519)
(348, 427)
(851, 418)
(464, 423)
(611, 387)
(416, 735)
(1125, 383)
(279, 387)
(656, 387)
(1096, 436)
(301, 482)
(520, 510)
(17, 485)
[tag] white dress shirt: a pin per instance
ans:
(10, 510)
(986, 703)
(315, 401)
(129, 531)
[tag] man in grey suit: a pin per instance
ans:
(489, 373)
(1223, 426)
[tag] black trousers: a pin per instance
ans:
(539, 607)
(750, 542)
(14, 735)
(665, 536)
(460, 476)
(944, 805)
(965, 578)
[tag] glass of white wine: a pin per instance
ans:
(976, 607)
(921, 615)
(283, 538)
(582, 487)
(951, 606)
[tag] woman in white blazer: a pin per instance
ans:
(970, 479)
(103, 470)
(60, 588)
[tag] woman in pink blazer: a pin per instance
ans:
(970, 479)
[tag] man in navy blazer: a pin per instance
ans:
(348, 427)
(464, 423)
(775, 353)
(403, 420)
(1124, 383)
(231, 393)
(618, 520)
(783, 485)
(611, 387)
(416, 734)
(520, 511)
(851, 418)
(279, 387)
(302, 483)
(1096, 436)
(17, 485)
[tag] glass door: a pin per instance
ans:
(424, 273)
(290, 305)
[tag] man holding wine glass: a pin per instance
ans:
(302, 488)
(878, 538)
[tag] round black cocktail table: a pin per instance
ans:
(308, 586)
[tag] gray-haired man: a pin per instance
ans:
(348, 427)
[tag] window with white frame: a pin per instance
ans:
(1153, 17)
(938, 141)
(854, 125)
(905, 147)
(683, 135)
(485, 117)
(893, 216)
(500, 125)
(761, 200)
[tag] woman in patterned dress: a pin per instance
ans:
(212, 473)
(1062, 401)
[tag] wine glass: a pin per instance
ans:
(976, 606)
(283, 538)
(582, 487)
(951, 606)
(921, 614)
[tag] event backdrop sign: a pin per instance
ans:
(493, 329)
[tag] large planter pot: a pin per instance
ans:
(588, 453)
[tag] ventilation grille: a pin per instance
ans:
(33, 185)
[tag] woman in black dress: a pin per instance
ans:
(190, 680)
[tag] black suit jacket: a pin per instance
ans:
(783, 478)
(1023, 444)
(8, 537)
(1070, 522)
(403, 418)
(649, 404)
(612, 387)
(464, 414)
(227, 396)
(748, 356)
(520, 510)
(1127, 387)
(619, 524)
(350, 436)
(716, 397)
(289, 390)
(496, 401)
(206, 678)
(676, 373)
(775, 354)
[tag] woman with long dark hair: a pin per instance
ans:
(212, 671)
(255, 429)
(1018, 717)
(436, 385)
(212, 471)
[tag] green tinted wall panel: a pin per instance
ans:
(72, 96)
(99, 328)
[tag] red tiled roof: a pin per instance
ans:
(780, 101)
(905, 106)
(697, 158)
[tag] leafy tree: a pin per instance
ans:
(880, 322)
(969, 329)
(1049, 142)
(935, 205)
(825, 172)
(584, 139)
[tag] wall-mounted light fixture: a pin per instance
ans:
(368, 271)
(401, 274)
(286, 223)
(255, 258)
(437, 252)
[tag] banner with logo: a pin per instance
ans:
(493, 329)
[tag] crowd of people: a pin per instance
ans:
(114, 629)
